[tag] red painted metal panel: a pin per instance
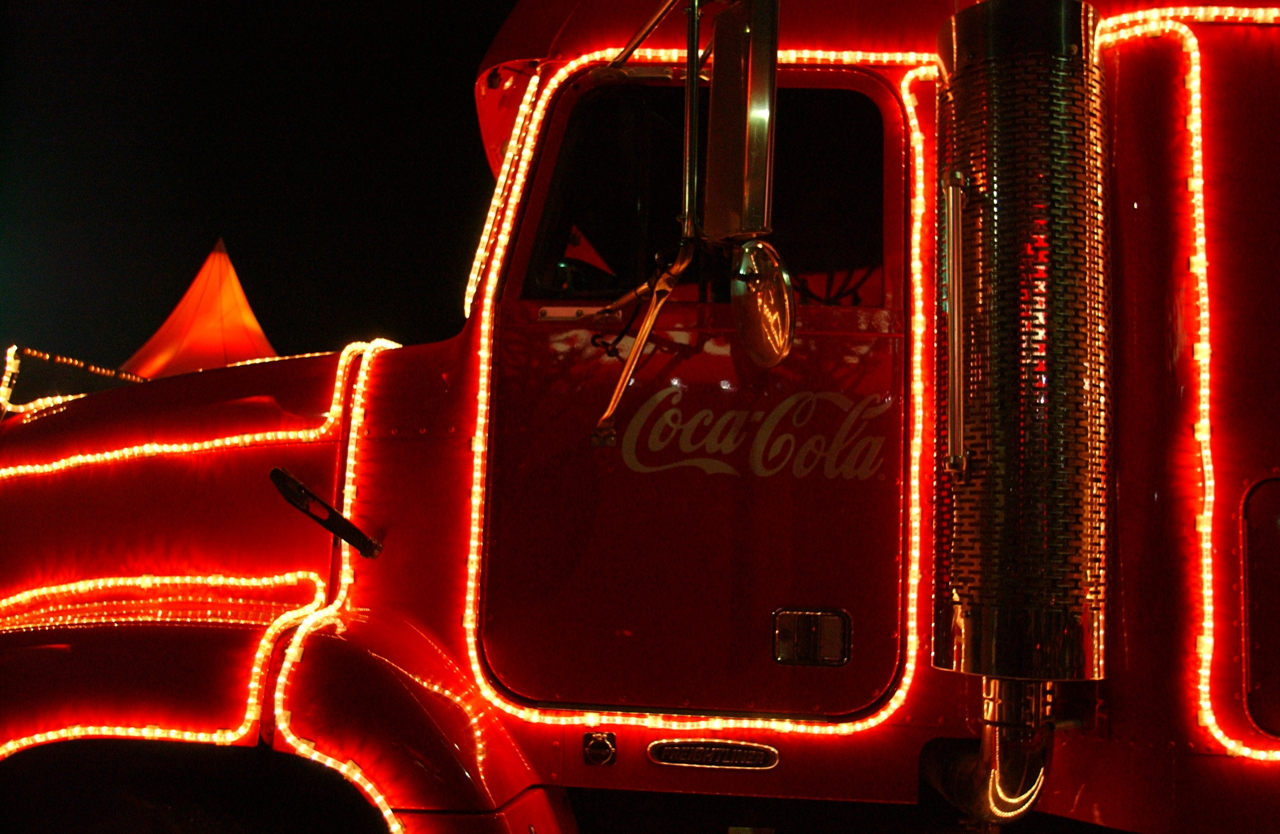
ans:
(172, 512)
(194, 678)
(211, 513)
(1242, 179)
(1152, 586)
(1153, 765)
(543, 810)
(153, 506)
(356, 708)
(645, 576)
(271, 396)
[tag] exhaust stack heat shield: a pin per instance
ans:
(1020, 512)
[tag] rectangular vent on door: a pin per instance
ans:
(811, 638)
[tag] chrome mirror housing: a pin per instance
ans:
(740, 123)
(763, 303)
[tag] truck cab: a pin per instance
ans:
(992, 526)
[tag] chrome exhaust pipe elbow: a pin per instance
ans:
(998, 777)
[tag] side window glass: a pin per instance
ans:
(1261, 531)
(615, 199)
(614, 202)
(828, 196)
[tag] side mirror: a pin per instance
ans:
(740, 125)
(763, 304)
(739, 189)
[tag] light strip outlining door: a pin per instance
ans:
(1172, 22)
(520, 150)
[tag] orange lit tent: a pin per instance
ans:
(211, 327)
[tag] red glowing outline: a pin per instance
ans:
(253, 707)
(1168, 21)
(520, 150)
(307, 618)
(147, 450)
(44, 608)
(329, 615)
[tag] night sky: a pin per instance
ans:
(333, 146)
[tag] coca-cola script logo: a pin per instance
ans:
(777, 440)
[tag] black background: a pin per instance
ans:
(334, 147)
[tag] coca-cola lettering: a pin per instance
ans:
(663, 432)
(863, 458)
(775, 447)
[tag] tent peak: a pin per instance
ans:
(220, 247)
(211, 327)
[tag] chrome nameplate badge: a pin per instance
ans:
(708, 752)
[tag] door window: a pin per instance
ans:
(614, 204)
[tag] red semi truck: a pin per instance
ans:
(853, 396)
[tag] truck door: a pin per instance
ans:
(741, 548)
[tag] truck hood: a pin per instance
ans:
(170, 478)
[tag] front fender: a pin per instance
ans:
(146, 681)
(385, 696)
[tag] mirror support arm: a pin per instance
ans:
(689, 230)
(694, 62)
(645, 31)
(605, 434)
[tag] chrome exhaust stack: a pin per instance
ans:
(1020, 505)
(997, 778)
